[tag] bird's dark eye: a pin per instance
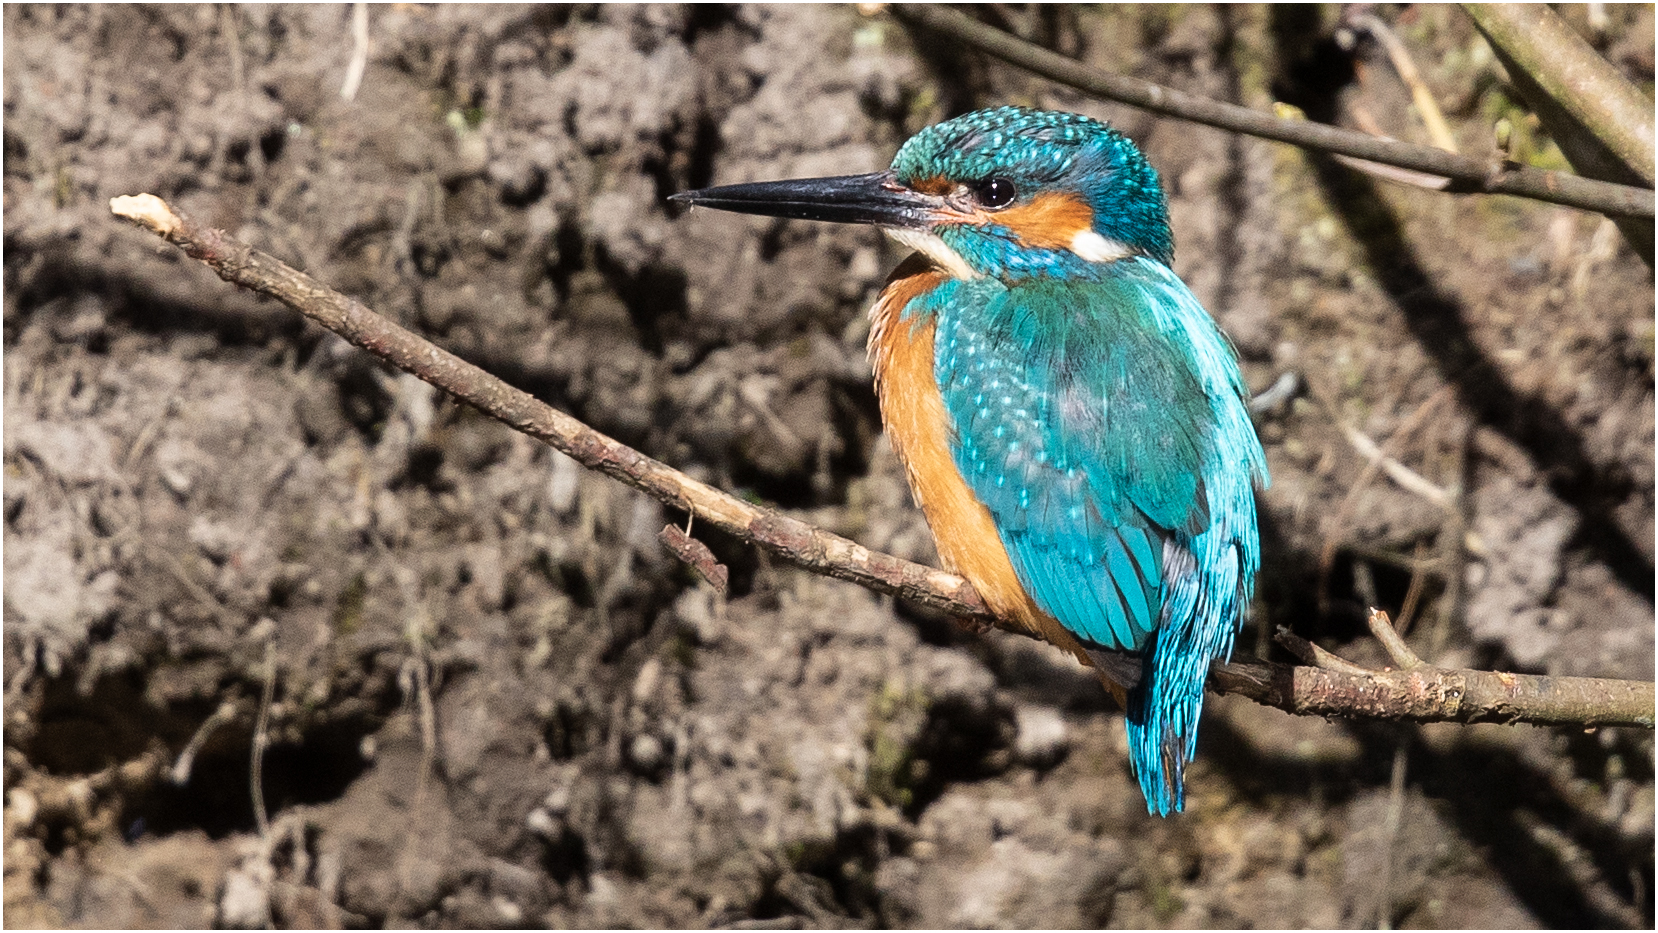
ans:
(995, 193)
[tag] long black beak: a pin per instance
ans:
(877, 199)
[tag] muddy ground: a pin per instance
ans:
(491, 699)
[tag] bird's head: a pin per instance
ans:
(1009, 192)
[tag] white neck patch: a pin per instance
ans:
(1095, 248)
(930, 245)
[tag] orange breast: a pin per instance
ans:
(918, 426)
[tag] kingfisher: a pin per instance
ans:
(1071, 421)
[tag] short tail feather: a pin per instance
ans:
(1163, 708)
(1162, 735)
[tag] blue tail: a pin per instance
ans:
(1210, 587)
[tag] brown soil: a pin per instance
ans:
(492, 699)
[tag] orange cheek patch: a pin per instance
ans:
(1050, 221)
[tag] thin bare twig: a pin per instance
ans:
(359, 53)
(1407, 478)
(790, 538)
(1453, 540)
(1413, 592)
(1282, 390)
(1470, 175)
(1316, 656)
(1390, 834)
(1380, 460)
(1433, 695)
(261, 735)
(1395, 174)
(1399, 56)
(186, 762)
(1382, 627)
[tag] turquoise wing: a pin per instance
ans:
(1103, 424)
(1084, 428)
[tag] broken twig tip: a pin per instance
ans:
(697, 554)
(146, 210)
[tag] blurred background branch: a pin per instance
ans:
(1468, 174)
(1603, 124)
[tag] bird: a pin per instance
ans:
(1072, 423)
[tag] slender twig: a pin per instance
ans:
(1407, 478)
(1399, 56)
(1432, 695)
(359, 53)
(1382, 627)
(1413, 592)
(1469, 174)
(1390, 834)
(1395, 174)
(186, 762)
(261, 735)
(1316, 656)
(1380, 459)
(1282, 390)
(1453, 540)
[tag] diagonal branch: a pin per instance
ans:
(1537, 44)
(1421, 694)
(1602, 123)
(1468, 175)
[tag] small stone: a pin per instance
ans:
(542, 823)
(245, 904)
(648, 682)
(696, 611)
(24, 808)
(646, 754)
(178, 480)
(1043, 738)
(511, 914)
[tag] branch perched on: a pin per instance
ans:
(1422, 694)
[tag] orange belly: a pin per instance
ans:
(918, 426)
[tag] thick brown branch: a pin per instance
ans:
(1468, 174)
(1428, 695)
(1431, 694)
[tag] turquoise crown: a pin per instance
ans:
(1046, 149)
